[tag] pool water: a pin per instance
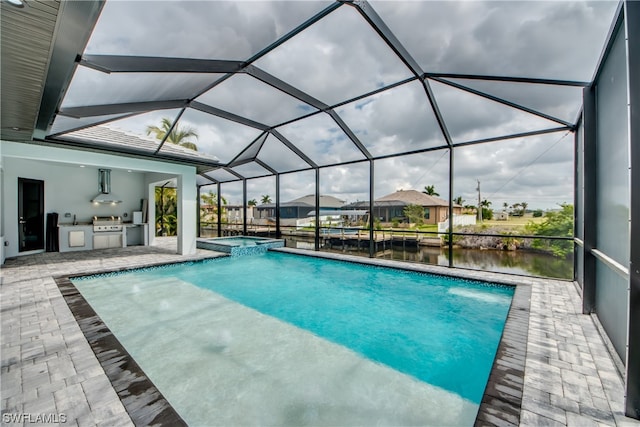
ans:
(292, 340)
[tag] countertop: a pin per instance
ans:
(90, 224)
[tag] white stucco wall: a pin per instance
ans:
(69, 187)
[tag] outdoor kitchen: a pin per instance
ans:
(102, 231)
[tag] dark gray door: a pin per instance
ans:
(30, 214)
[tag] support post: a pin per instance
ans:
(277, 212)
(244, 207)
(589, 200)
(632, 21)
(317, 230)
(198, 211)
(450, 246)
(219, 208)
(372, 243)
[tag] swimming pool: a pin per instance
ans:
(293, 340)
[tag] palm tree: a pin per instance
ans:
(430, 190)
(209, 208)
(252, 202)
(485, 203)
(176, 136)
(524, 206)
(265, 199)
(459, 200)
(505, 206)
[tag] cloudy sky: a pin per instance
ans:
(341, 57)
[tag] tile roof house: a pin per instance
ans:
(302, 207)
(392, 206)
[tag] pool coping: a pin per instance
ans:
(144, 403)
(142, 400)
(501, 402)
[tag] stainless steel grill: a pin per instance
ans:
(106, 223)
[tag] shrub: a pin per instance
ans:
(487, 214)
(555, 224)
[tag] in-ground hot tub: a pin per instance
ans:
(239, 245)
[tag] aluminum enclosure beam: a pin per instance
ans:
(509, 79)
(589, 200)
(285, 87)
(293, 148)
(503, 101)
(166, 135)
(128, 107)
(154, 64)
(74, 27)
(376, 22)
(227, 115)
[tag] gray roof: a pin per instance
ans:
(413, 197)
(309, 200)
(111, 136)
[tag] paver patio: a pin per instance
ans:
(48, 367)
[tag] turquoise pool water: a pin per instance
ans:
(308, 325)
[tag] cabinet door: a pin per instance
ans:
(115, 240)
(76, 238)
(100, 241)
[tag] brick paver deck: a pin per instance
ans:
(49, 370)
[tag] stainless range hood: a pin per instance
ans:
(104, 186)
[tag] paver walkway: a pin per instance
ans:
(49, 372)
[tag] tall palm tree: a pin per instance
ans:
(524, 206)
(505, 206)
(177, 135)
(265, 199)
(459, 200)
(430, 190)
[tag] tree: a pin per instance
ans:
(176, 135)
(166, 211)
(252, 202)
(414, 213)
(430, 190)
(524, 206)
(265, 199)
(505, 206)
(209, 207)
(487, 213)
(459, 200)
(515, 208)
(557, 224)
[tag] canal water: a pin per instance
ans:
(523, 262)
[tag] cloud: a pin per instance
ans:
(341, 57)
